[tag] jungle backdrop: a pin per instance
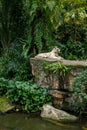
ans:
(31, 27)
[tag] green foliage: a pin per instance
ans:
(57, 68)
(44, 24)
(52, 22)
(30, 27)
(39, 28)
(13, 64)
(79, 93)
(29, 96)
(12, 22)
(3, 86)
(72, 39)
(60, 71)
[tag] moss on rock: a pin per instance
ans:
(5, 105)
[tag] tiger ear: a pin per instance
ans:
(58, 49)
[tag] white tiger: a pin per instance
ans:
(53, 54)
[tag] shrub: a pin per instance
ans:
(79, 93)
(3, 86)
(72, 40)
(13, 64)
(26, 94)
(30, 96)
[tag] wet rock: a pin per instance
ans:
(52, 114)
(5, 105)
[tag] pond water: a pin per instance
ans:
(20, 121)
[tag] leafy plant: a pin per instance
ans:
(57, 68)
(72, 40)
(78, 100)
(30, 96)
(12, 22)
(13, 64)
(3, 86)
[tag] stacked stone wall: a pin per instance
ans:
(58, 89)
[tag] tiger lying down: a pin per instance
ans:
(53, 54)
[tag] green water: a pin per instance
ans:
(19, 121)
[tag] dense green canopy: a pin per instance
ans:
(33, 26)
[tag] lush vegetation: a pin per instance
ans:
(33, 26)
(30, 97)
(40, 24)
(29, 27)
(79, 93)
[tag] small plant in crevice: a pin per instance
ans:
(59, 70)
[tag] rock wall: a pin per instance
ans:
(59, 88)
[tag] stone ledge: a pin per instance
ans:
(58, 94)
(82, 63)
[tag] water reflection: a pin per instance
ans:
(19, 121)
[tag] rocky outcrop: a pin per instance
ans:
(59, 84)
(52, 114)
(44, 79)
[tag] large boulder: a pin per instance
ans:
(52, 114)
